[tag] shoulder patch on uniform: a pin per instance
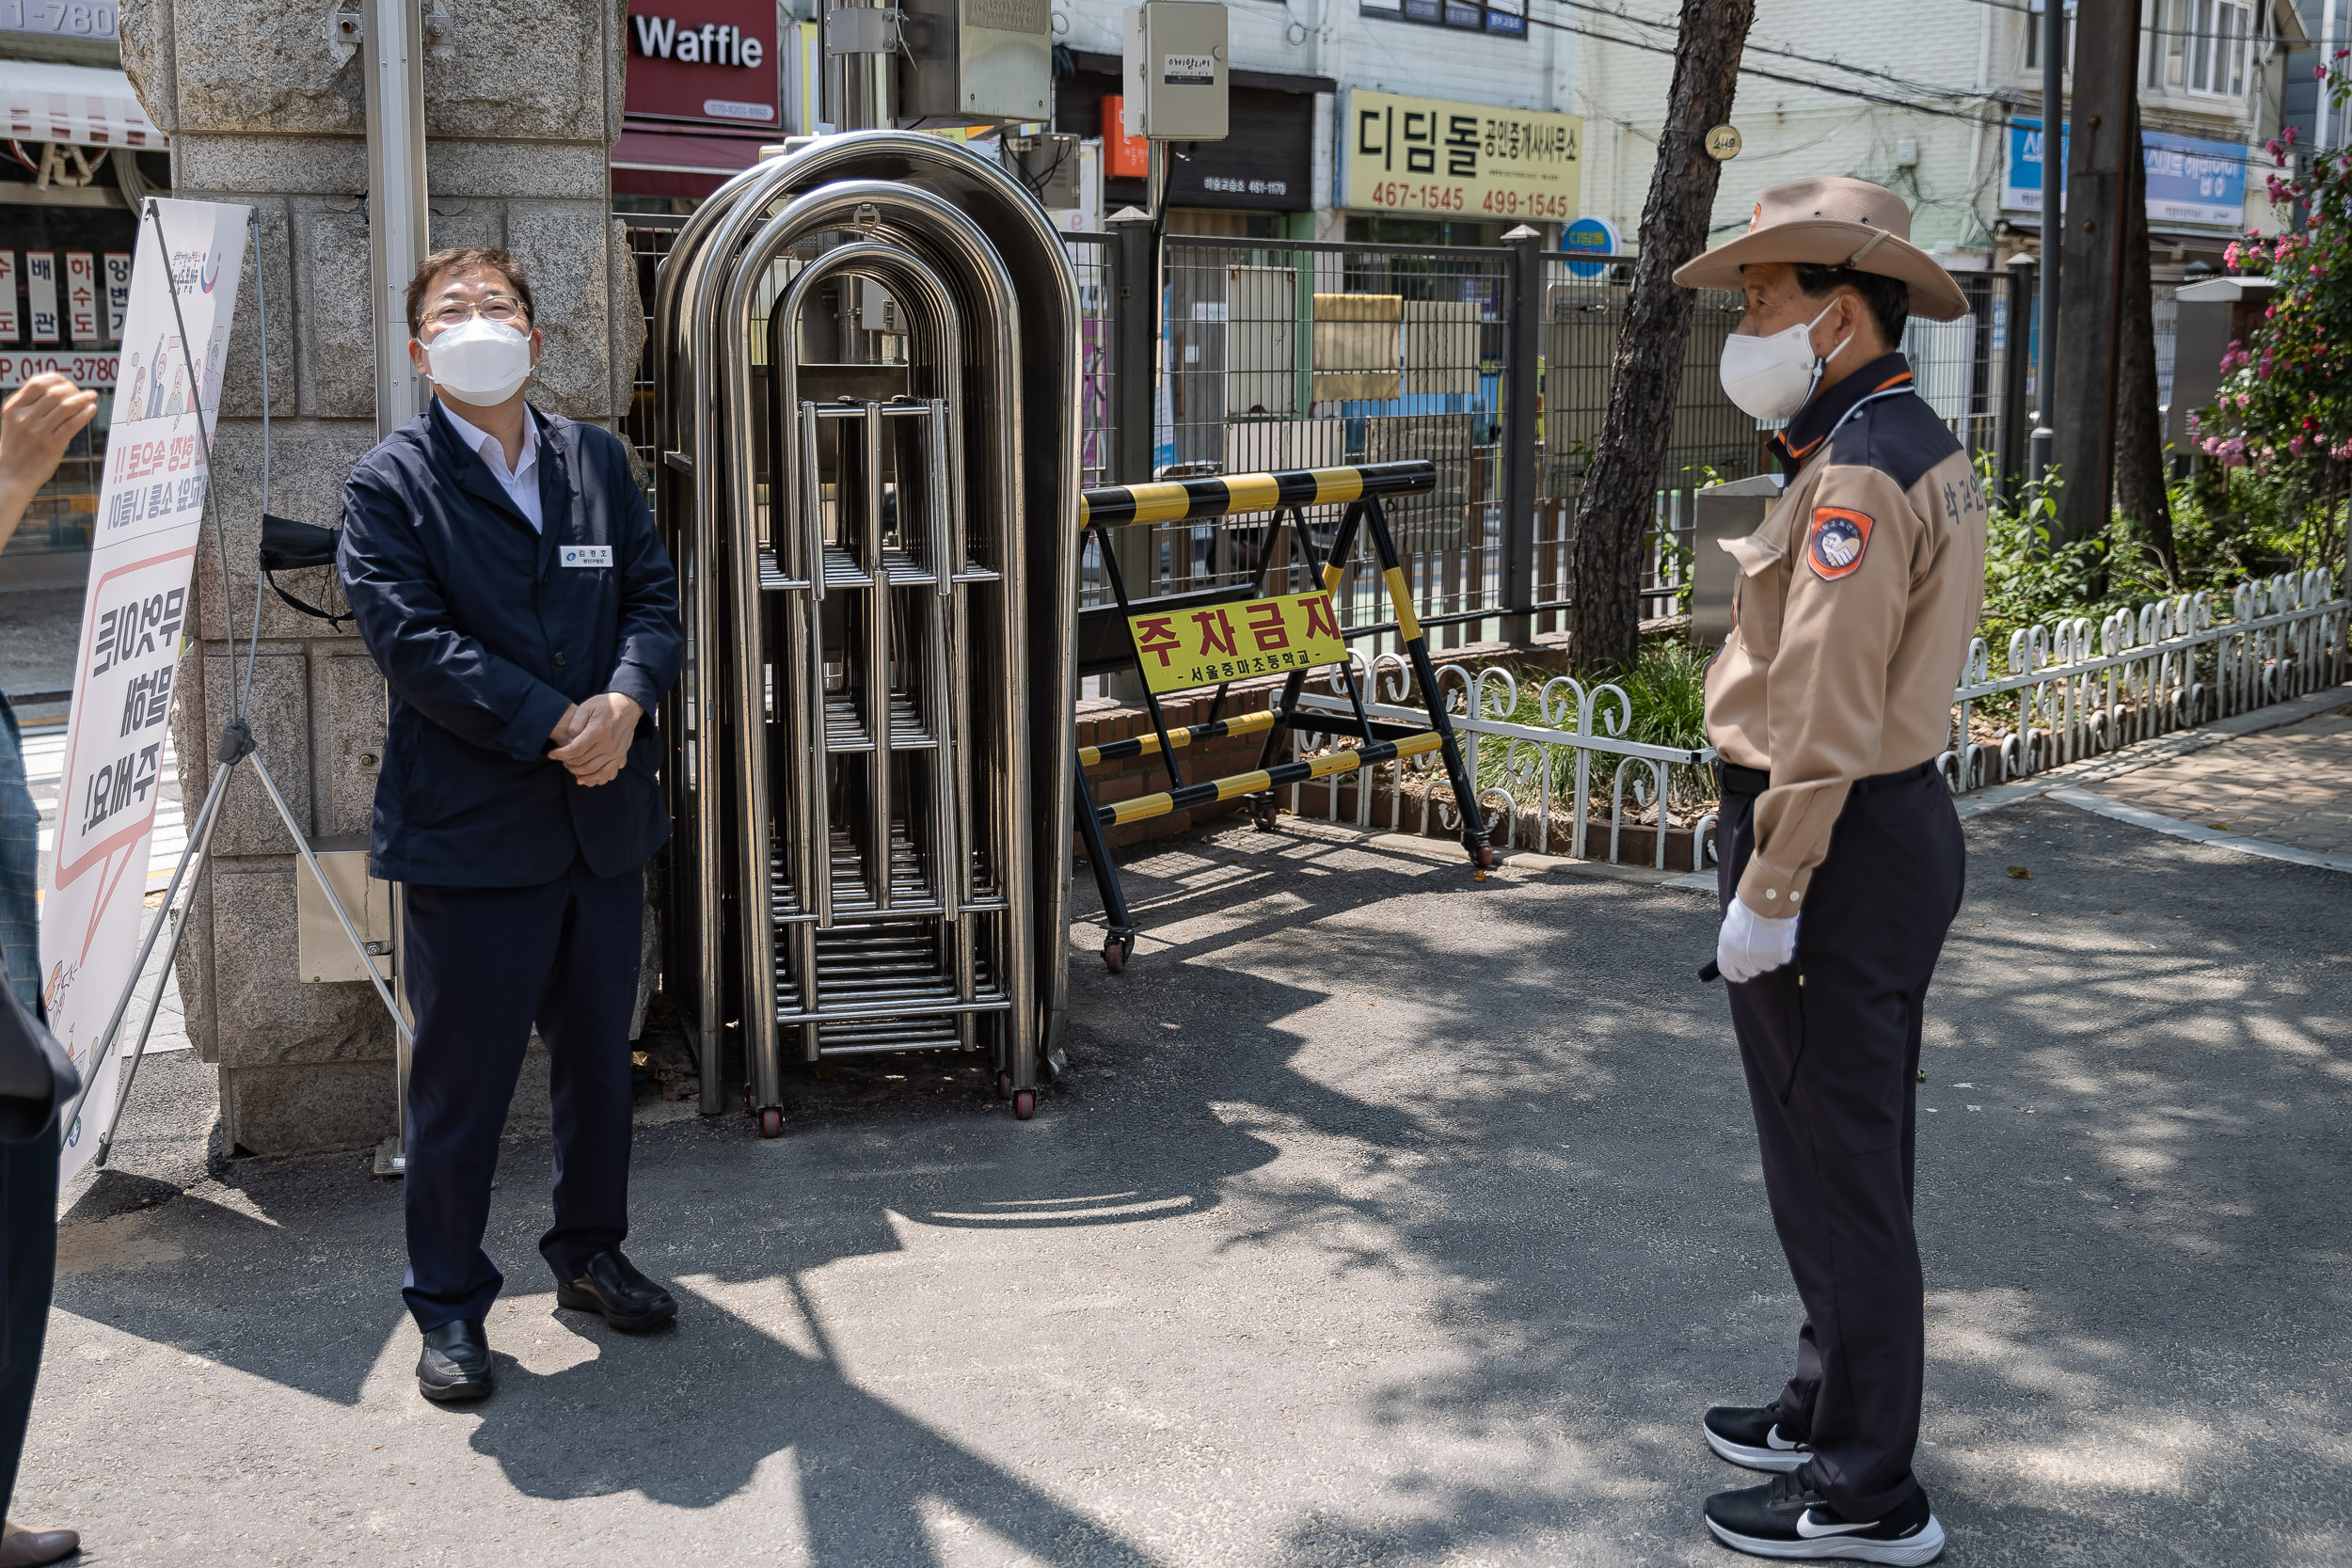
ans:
(1836, 541)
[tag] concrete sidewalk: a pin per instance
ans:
(1385, 1218)
(2290, 786)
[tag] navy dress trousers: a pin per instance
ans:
(524, 891)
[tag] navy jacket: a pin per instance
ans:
(484, 639)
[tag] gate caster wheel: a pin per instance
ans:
(1116, 951)
(1025, 1105)
(1004, 1086)
(772, 1123)
(1485, 860)
(1266, 823)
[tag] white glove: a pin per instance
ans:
(1751, 944)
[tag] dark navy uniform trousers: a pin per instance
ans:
(484, 965)
(1831, 1047)
(28, 1155)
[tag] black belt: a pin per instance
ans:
(1732, 779)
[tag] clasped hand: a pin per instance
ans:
(592, 738)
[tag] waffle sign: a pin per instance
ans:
(1236, 641)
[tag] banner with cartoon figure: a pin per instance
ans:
(135, 614)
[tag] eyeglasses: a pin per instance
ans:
(504, 309)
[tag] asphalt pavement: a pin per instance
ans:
(1384, 1218)
(41, 627)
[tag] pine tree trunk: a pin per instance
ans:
(2139, 488)
(1620, 502)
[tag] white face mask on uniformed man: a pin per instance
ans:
(480, 362)
(1772, 377)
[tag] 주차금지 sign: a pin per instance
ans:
(1236, 641)
(134, 614)
(1471, 160)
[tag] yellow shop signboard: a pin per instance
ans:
(1461, 160)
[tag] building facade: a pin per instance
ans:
(1943, 103)
(2318, 123)
(1486, 80)
(265, 110)
(78, 152)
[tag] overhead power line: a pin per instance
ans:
(1972, 117)
(1863, 94)
(2213, 33)
(1753, 46)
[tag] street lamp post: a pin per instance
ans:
(2053, 198)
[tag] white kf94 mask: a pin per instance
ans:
(480, 362)
(1771, 377)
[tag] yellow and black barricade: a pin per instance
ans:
(1297, 649)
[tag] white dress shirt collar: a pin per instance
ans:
(521, 483)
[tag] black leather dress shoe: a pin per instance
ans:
(32, 1549)
(610, 1286)
(456, 1365)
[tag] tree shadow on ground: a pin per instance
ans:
(2132, 1197)
(1527, 1117)
(688, 1419)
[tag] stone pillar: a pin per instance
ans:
(262, 101)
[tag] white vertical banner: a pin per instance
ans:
(41, 289)
(135, 614)
(117, 292)
(81, 297)
(8, 296)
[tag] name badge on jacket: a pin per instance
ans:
(585, 555)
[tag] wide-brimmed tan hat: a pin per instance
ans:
(1834, 222)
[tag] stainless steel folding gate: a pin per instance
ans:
(878, 554)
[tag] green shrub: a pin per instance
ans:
(1667, 688)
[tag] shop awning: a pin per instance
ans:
(677, 152)
(86, 106)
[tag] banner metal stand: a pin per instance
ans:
(236, 746)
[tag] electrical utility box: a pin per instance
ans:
(1728, 510)
(1172, 71)
(322, 947)
(1049, 166)
(965, 60)
(1261, 341)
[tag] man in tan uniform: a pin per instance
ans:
(1842, 857)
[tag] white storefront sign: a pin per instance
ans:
(95, 369)
(133, 615)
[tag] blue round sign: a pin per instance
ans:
(1593, 236)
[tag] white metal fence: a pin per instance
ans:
(1560, 778)
(2072, 692)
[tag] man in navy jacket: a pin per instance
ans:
(507, 580)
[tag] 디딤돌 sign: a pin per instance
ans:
(1467, 160)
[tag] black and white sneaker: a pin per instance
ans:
(1755, 1437)
(1785, 1517)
